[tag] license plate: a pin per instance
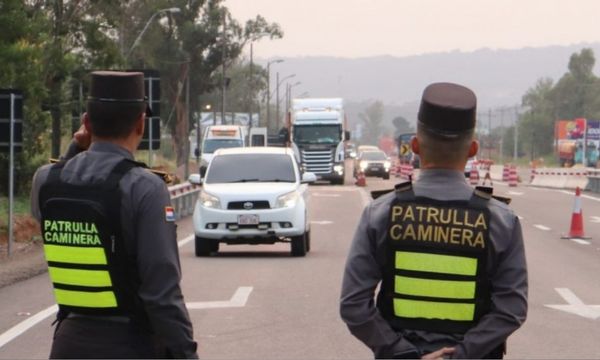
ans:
(248, 220)
(375, 168)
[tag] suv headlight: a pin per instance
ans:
(363, 165)
(287, 200)
(209, 201)
(387, 165)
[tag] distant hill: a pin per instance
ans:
(498, 77)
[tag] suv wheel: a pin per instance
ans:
(307, 235)
(299, 245)
(204, 246)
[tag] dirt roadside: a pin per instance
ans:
(27, 255)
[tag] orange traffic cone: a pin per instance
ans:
(512, 176)
(576, 231)
(360, 179)
(505, 172)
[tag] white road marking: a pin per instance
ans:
(325, 195)
(322, 222)
(182, 242)
(365, 197)
(239, 299)
(595, 219)
(590, 197)
(542, 227)
(576, 306)
(520, 217)
(572, 193)
(580, 241)
(517, 193)
(26, 324)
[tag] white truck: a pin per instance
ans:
(217, 137)
(317, 128)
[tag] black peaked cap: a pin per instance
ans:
(447, 109)
(117, 86)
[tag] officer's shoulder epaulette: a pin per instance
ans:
(378, 193)
(487, 192)
(403, 186)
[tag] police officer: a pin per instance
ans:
(110, 237)
(449, 259)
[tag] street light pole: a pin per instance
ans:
(277, 118)
(268, 124)
(137, 40)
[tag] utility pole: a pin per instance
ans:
(250, 83)
(186, 157)
(223, 57)
(501, 135)
(277, 103)
(516, 140)
(490, 133)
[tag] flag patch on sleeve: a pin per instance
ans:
(169, 214)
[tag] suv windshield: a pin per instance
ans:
(317, 134)
(373, 155)
(212, 145)
(251, 168)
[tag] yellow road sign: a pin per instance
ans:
(404, 149)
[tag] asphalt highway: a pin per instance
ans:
(257, 302)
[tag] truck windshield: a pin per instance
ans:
(236, 168)
(317, 134)
(212, 145)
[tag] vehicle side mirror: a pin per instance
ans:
(346, 135)
(308, 178)
(195, 179)
(197, 152)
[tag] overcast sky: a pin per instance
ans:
(362, 28)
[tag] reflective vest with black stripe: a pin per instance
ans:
(83, 244)
(435, 276)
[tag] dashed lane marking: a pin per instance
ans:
(239, 299)
(580, 241)
(520, 217)
(184, 241)
(321, 222)
(542, 227)
(595, 219)
(517, 193)
(26, 324)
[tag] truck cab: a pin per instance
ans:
(317, 135)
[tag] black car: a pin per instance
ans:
(373, 163)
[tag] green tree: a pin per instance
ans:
(401, 126)
(372, 118)
(536, 128)
(195, 42)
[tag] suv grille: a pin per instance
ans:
(256, 205)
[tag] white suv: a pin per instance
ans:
(253, 195)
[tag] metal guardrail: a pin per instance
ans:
(183, 198)
(593, 181)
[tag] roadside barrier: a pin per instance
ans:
(560, 178)
(576, 229)
(183, 198)
(593, 184)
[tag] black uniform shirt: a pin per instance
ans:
(507, 270)
(148, 237)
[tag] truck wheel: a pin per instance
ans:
(299, 245)
(214, 246)
(307, 234)
(203, 246)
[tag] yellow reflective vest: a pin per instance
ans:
(435, 276)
